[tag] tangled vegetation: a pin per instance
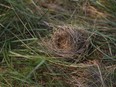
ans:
(57, 43)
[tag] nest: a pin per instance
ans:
(67, 42)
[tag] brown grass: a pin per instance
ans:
(67, 42)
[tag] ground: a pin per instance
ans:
(58, 43)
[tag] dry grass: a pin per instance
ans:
(67, 42)
(57, 43)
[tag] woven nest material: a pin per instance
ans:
(67, 42)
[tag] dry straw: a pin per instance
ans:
(67, 42)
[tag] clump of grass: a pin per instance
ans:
(67, 42)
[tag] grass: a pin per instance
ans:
(24, 62)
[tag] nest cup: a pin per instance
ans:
(67, 42)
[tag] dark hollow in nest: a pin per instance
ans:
(68, 42)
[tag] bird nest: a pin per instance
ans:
(67, 42)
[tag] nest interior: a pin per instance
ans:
(68, 42)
